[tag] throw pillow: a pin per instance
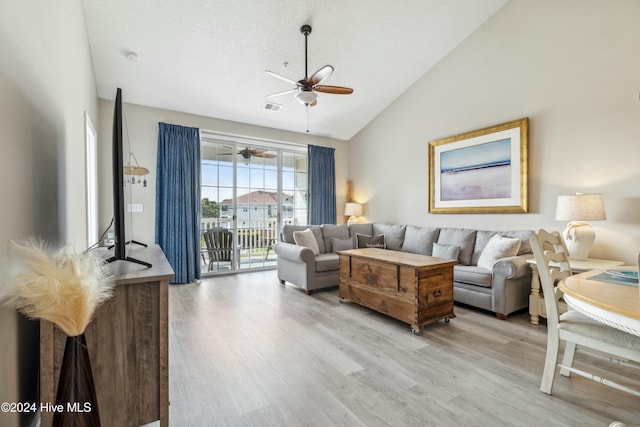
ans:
(393, 234)
(364, 241)
(445, 251)
(307, 239)
(498, 247)
(341, 244)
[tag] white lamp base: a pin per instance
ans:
(579, 238)
(352, 220)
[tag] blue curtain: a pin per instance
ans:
(178, 199)
(322, 185)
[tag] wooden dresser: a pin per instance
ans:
(128, 346)
(416, 289)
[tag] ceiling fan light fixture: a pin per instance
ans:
(306, 97)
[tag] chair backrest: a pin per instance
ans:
(552, 262)
(219, 243)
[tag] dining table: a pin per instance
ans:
(611, 297)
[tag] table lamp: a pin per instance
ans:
(352, 210)
(579, 236)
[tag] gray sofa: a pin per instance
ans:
(503, 289)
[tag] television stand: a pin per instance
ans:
(128, 242)
(130, 259)
(136, 242)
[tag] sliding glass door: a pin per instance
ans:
(248, 191)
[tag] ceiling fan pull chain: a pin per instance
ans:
(307, 107)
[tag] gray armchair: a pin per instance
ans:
(298, 264)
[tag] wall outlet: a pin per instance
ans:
(134, 207)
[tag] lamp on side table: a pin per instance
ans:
(578, 209)
(353, 210)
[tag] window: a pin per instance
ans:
(258, 185)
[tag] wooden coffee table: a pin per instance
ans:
(416, 289)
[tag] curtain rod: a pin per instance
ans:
(244, 138)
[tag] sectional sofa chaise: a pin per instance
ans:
(490, 281)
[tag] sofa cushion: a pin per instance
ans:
(445, 251)
(307, 239)
(461, 237)
(360, 228)
(364, 241)
(472, 275)
(393, 234)
(287, 234)
(331, 231)
(497, 248)
(523, 235)
(419, 240)
(482, 238)
(341, 244)
(327, 262)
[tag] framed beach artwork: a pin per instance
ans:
(484, 171)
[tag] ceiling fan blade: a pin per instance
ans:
(278, 76)
(262, 154)
(282, 93)
(337, 90)
(320, 75)
(314, 103)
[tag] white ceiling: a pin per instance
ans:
(208, 57)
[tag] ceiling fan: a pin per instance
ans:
(305, 90)
(247, 153)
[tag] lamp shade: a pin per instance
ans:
(580, 207)
(353, 209)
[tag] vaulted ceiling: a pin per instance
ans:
(208, 57)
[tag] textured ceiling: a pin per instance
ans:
(208, 57)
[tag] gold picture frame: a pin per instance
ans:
(483, 171)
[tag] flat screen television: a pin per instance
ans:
(120, 240)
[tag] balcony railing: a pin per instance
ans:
(255, 243)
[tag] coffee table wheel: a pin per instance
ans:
(415, 331)
(447, 319)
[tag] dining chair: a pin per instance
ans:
(573, 327)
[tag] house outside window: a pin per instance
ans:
(252, 190)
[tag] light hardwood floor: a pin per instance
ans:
(247, 351)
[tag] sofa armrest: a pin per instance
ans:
(512, 267)
(295, 253)
(511, 284)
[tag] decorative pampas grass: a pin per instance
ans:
(62, 286)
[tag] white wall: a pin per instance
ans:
(572, 67)
(47, 68)
(142, 123)
(46, 85)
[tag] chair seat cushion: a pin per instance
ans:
(472, 275)
(573, 321)
(327, 262)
